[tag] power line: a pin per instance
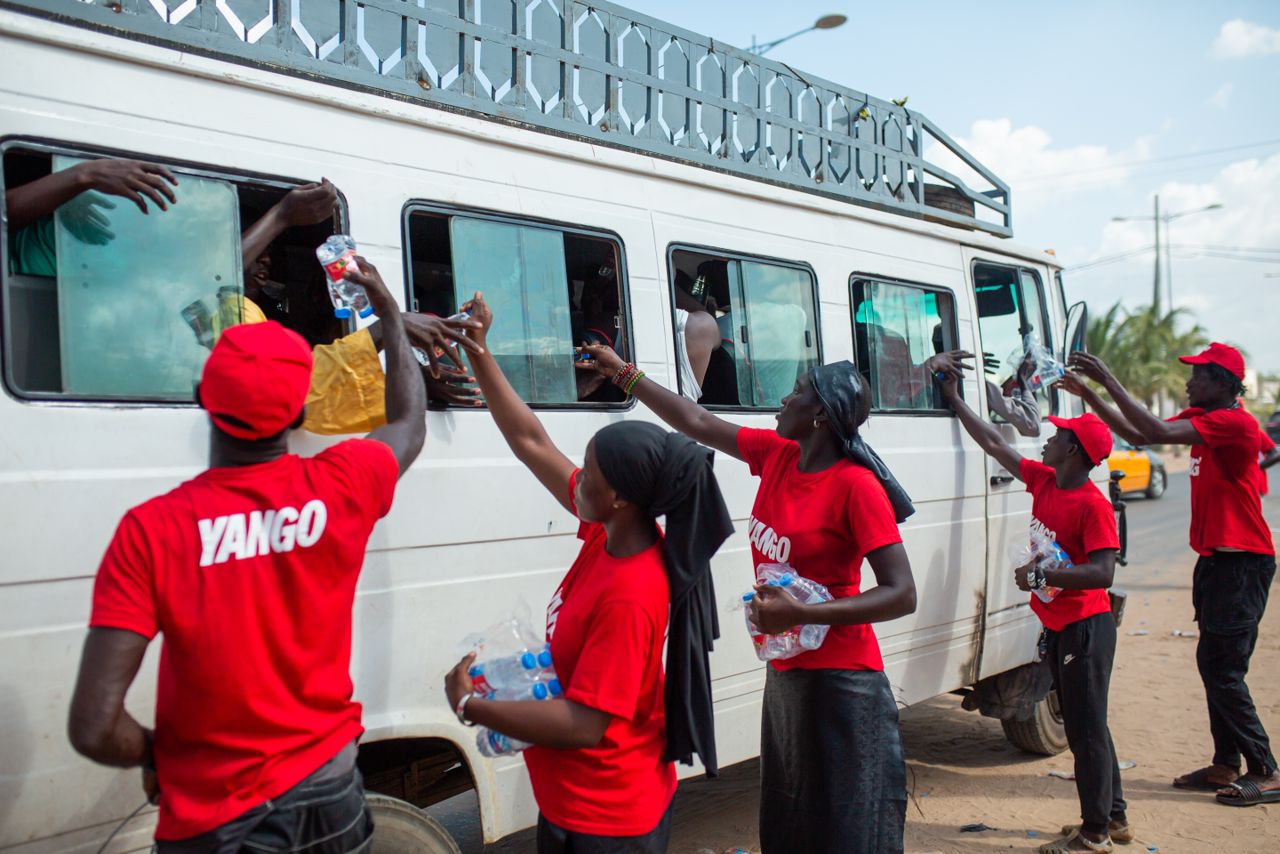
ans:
(1228, 256)
(1109, 259)
(1147, 162)
(1225, 248)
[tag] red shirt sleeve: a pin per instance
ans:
(1264, 442)
(1224, 430)
(1099, 526)
(871, 516)
(124, 590)
(369, 469)
(757, 445)
(610, 671)
(1034, 474)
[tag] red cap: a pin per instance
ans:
(1218, 354)
(256, 379)
(1090, 432)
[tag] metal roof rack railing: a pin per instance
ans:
(595, 71)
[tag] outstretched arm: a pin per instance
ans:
(987, 436)
(524, 433)
(406, 397)
(308, 204)
(1146, 427)
(131, 179)
(1074, 384)
(681, 414)
(1272, 457)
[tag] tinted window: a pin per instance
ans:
(896, 327)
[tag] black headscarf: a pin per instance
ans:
(844, 400)
(670, 475)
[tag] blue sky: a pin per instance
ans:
(1103, 92)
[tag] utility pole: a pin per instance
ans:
(1155, 295)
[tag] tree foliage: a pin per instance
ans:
(1142, 348)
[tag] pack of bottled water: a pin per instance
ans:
(512, 664)
(796, 639)
(337, 255)
(1046, 553)
(1047, 369)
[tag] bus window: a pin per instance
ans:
(896, 327)
(1011, 307)
(551, 289)
(103, 302)
(767, 315)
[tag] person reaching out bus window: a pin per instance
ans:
(826, 503)
(601, 764)
(249, 572)
(1081, 630)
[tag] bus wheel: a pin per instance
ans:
(402, 828)
(1043, 732)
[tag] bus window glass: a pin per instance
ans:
(896, 328)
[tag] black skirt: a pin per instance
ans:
(833, 778)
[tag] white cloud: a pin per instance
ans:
(1222, 98)
(1239, 38)
(1036, 172)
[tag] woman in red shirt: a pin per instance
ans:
(601, 764)
(833, 776)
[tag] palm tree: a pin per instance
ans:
(1142, 348)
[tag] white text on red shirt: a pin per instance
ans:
(244, 535)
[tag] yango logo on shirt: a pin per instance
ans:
(768, 543)
(237, 536)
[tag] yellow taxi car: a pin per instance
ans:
(1143, 470)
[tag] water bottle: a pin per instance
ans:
(811, 593)
(1054, 556)
(493, 743)
(338, 254)
(758, 638)
(548, 690)
(512, 672)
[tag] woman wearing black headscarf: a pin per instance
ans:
(601, 764)
(832, 771)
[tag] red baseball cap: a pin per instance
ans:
(255, 380)
(1218, 354)
(1090, 432)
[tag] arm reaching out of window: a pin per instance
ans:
(987, 436)
(308, 204)
(131, 179)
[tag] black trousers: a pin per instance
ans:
(1080, 657)
(1229, 591)
(554, 839)
(324, 814)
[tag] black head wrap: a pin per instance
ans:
(670, 475)
(844, 399)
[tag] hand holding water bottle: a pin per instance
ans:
(777, 612)
(338, 257)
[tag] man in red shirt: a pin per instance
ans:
(1237, 557)
(1071, 601)
(249, 571)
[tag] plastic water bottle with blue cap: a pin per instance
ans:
(492, 743)
(337, 255)
(511, 672)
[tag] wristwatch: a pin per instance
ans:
(461, 709)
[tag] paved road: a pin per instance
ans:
(723, 810)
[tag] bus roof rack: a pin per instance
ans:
(594, 71)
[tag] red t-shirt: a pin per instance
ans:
(823, 524)
(1081, 520)
(606, 625)
(1226, 510)
(249, 573)
(1265, 445)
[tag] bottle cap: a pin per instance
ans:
(747, 597)
(475, 670)
(554, 687)
(528, 661)
(539, 691)
(544, 658)
(342, 313)
(366, 311)
(786, 579)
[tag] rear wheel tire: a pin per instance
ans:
(402, 828)
(1043, 732)
(1159, 480)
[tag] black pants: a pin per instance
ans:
(554, 839)
(324, 814)
(833, 777)
(1229, 591)
(1080, 658)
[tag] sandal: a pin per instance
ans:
(1122, 835)
(1063, 845)
(1199, 780)
(1248, 794)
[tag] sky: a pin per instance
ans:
(1087, 110)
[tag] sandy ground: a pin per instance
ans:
(963, 771)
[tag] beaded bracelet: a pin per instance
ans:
(624, 374)
(632, 384)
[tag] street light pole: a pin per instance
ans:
(1155, 294)
(1158, 218)
(826, 22)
